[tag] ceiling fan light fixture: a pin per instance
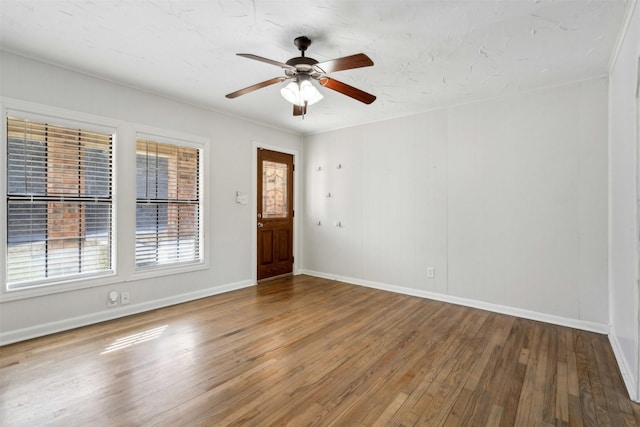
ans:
(301, 93)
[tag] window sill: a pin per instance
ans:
(59, 287)
(168, 270)
(97, 281)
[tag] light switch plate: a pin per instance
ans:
(242, 199)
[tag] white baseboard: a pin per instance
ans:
(627, 376)
(10, 337)
(496, 308)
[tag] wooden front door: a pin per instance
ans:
(275, 214)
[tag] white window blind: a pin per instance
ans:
(59, 202)
(167, 204)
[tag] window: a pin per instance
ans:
(59, 201)
(274, 190)
(168, 203)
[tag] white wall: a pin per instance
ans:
(228, 239)
(507, 199)
(623, 224)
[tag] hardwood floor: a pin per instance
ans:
(308, 351)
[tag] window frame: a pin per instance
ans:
(186, 140)
(27, 110)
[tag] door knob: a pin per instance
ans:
(260, 225)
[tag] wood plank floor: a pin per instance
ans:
(307, 351)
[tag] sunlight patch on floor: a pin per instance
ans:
(133, 339)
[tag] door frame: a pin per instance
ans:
(297, 199)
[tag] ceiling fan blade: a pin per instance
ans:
(299, 110)
(345, 89)
(255, 87)
(345, 63)
(268, 61)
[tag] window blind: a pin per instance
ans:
(59, 202)
(167, 204)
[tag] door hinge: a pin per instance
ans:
(293, 259)
(293, 167)
(293, 213)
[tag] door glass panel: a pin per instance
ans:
(274, 190)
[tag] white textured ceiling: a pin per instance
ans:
(427, 54)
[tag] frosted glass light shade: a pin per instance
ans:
(298, 93)
(309, 93)
(291, 92)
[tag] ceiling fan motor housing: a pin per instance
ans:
(303, 65)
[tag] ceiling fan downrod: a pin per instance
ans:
(302, 43)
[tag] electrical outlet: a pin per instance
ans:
(113, 298)
(124, 298)
(431, 273)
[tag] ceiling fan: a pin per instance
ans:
(303, 70)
